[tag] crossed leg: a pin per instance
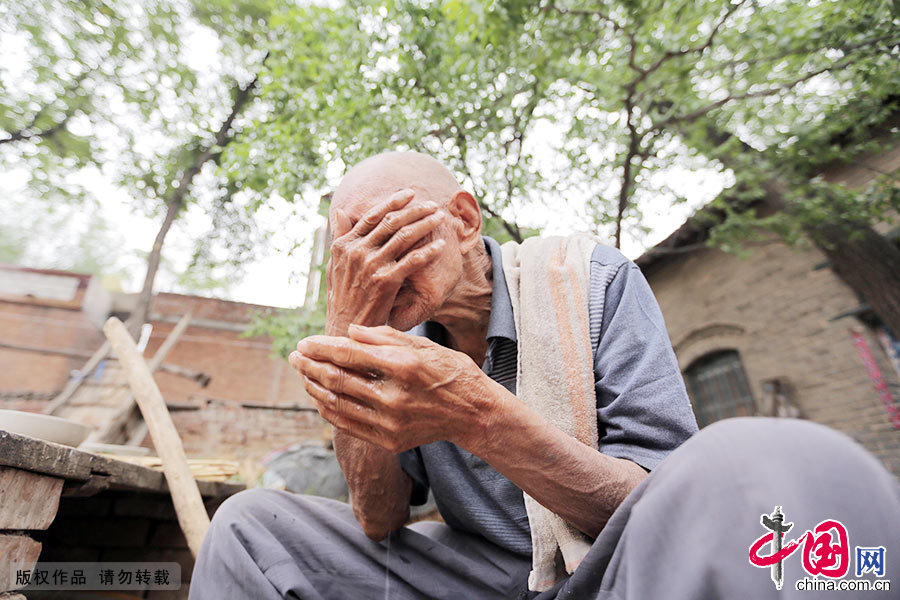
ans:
(266, 544)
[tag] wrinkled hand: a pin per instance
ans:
(371, 259)
(393, 389)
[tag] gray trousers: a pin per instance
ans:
(683, 533)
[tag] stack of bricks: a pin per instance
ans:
(28, 504)
(121, 526)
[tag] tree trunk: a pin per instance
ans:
(176, 201)
(871, 266)
(142, 309)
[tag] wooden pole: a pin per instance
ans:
(112, 430)
(189, 508)
(154, 363)
(75, 382)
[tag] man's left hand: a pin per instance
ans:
(393, 389)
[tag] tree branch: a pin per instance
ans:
(634, 142)
(603, 16)
(459, 137)
(673, 250)
(693, 115)
(27, 132)
(670, 54)
(794, 51)
(520, 123)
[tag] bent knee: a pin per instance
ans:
(760, 436)
(768, 448)
(247, 505)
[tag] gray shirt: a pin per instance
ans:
(643, 411)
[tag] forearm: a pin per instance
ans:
(573, 480)
(379, 488)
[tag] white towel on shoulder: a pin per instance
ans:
(549, 281)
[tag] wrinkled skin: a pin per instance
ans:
(414, 391)
(373, 275)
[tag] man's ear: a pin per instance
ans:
(467, 219)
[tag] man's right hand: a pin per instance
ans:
(371, 259)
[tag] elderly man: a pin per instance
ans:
(426, 341)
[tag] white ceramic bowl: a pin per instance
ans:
(98, 448)
(44, 427)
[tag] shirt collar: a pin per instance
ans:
(501, 323)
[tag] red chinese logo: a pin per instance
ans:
(826, 549)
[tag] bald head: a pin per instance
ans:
(430, 240)
(379, 176)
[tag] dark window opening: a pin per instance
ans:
(719, 388)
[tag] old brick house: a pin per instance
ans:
(779, 333)
(253, 403)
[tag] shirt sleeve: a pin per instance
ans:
(411, 462)
(643, 410)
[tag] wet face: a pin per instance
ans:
(426, 290)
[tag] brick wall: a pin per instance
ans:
(212, 420)
(243, 370)
(244, 434)
(42, 326)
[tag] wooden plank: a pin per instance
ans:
(31, 454)
(85, 489)
(17, 552)
(169, 343)
(69, 352)
(186, 497)
(34, 301)
(74, 382)
(208, 489)
(200, 377)
(28, 500)
(140, 431)
(124, 474)
(219, 489)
